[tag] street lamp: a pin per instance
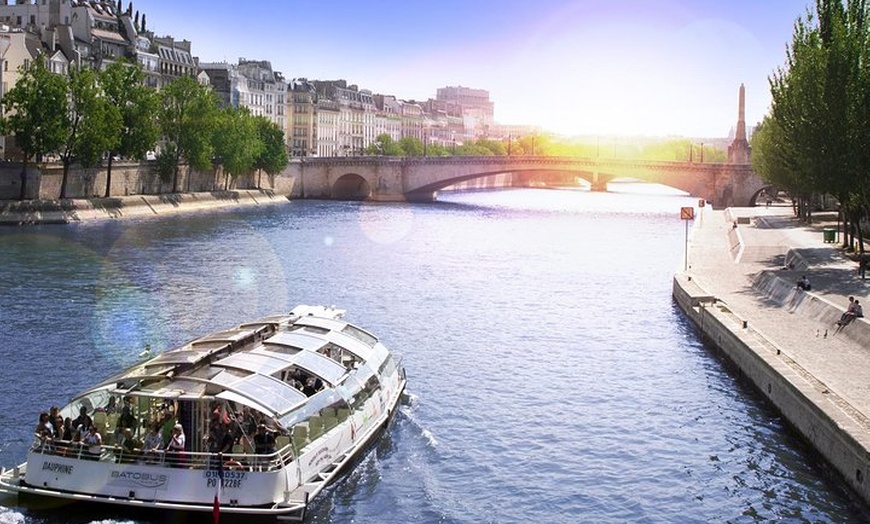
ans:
(4, 46)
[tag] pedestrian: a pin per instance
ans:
(804, 283)
(862, 266)
(854, 311)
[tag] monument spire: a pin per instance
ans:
(738, 151)
(741, 115)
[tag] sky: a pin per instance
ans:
(669, 68)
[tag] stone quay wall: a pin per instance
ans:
(825, 421)
(129, 178)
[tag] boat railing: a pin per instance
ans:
(172, 459)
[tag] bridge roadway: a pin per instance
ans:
(420, 178)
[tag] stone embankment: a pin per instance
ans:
(739, 289)
(76, 210)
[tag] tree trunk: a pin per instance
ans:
(23, 192)
(64, 177)
(109, 176)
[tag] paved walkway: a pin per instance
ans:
(725, 261)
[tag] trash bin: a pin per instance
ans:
(830, 234)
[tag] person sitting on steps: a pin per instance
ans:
(854, 311)
(804, 283)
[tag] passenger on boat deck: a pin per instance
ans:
(153, 440)
(127, 418)
(219, 414)
(53, 414)
(111, 407)
(128, 442)
(220, 438)
(92, 441)
(67, 433)
(83, 421)
(44, 429)
(264, 441)
(177, 441)
(168, 421)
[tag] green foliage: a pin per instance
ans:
(273, 157)
(36, 114)
(411, 146)
(93, 123)
(188, 117)
(814, 140)
(123, 85)
(236, 141)
(385, 145)
(167, 163)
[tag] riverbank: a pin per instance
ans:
(32, 212)
(739, 289)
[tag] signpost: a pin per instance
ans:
(686, 214)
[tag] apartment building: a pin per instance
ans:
(301, 131)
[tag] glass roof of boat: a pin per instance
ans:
(277, 396)
(321, 365)
(351, 344)
(181, 356)
(296, 340)
(229, 335)
(255, 362)
(325, 323)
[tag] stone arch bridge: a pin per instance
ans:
(420, 178)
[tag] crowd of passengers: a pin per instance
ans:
(162, 434)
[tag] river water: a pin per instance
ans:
(551, 377)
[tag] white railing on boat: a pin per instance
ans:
(190, 460)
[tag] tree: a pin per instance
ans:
(187, 119)
(124, 86)
(273, 157)
(384, 145)
(37, 114)
(92, 123)
(411, 146)
(236, 142)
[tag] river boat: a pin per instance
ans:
(300, 395)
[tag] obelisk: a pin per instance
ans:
(738, 151)
(741, 115)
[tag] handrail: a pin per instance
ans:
(172, 459)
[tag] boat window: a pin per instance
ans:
(320, 365)
(361, 335)
(261, 363)
(388, 368)
(272, 393)
(351, 344)
(293, 341)
(183, 356)
(324, 400)
(322, 324)
(359, 387)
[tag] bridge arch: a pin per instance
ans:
(420, 178)
(351, 186)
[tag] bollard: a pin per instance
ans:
(744, 324)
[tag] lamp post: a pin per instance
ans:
(4, 46)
